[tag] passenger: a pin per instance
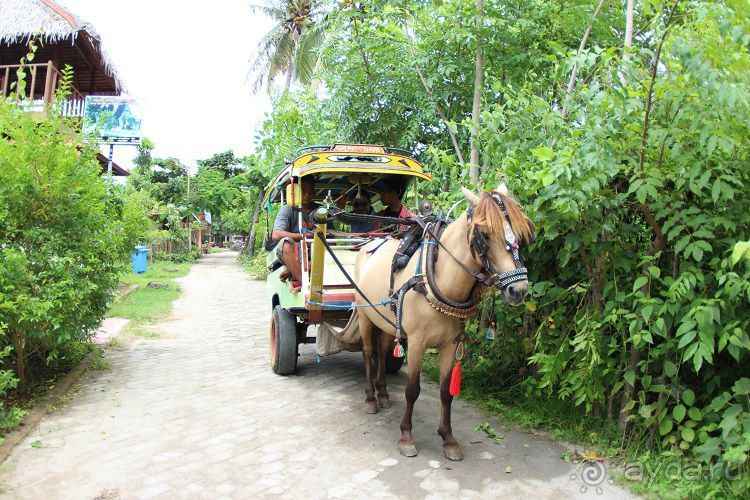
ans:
(286, 232)
(362, 205)
(391, 196)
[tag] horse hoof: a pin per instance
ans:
(384, 402)
(407, 449)
(371, 407)
(453, 452)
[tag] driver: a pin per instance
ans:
(286, 232)
(391, 196)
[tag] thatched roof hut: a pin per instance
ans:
(66, 39)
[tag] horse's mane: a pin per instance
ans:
(488, 213)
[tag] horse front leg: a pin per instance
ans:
(451, 448)
(366, 330)
(384, 344)
(407, 446)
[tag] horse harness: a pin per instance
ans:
(432, 228)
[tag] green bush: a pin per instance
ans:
(61, 243)
(179, 257)
(638, 311)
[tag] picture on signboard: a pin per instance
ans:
(112, 119)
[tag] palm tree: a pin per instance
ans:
(284, 49)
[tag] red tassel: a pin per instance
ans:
(398, 350)
(455, 388)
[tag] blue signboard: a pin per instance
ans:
(112, 119)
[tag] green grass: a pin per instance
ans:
(255, 267)
(148, 305)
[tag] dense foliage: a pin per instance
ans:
(633, 162)
(61, 241)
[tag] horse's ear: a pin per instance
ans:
(473, 198)
(502, 188)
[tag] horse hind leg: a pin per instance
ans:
(384, 343)
(451, 448)
(366, 331)
(407, 446)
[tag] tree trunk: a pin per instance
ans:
(476, 107)
(628, 42)
(19, 346)
(250, 246)
(292, 61)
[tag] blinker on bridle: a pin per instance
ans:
(480, 247)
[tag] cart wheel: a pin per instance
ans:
(393, 364)
(283, 342)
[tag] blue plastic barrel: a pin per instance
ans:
(140, 259)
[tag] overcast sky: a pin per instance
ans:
(186, 62)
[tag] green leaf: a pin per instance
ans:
(629, 406)
(681, 244)
(741, 249)
(709, 449)
(679, 413)
(630, 378)
(695, 414)
(642, 280)
(698, 360)
(697, 252)
(688, 434)
(685, 340)
(641, 194)
(670, 369)
(646, 312)
(742, 386)
(543, 153)
(716, 190)
(665, 426)
(688, 397)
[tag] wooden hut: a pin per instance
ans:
(63, 39)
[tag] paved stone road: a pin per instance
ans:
(198, 413)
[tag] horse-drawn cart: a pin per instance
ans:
(325, 296)
(417, 286)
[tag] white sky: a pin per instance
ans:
(186, 62)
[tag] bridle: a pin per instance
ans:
(480, 248)
(479, 245)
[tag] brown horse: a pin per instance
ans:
(425, 322)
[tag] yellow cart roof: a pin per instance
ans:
(342, 166)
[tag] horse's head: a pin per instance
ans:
(498, 227)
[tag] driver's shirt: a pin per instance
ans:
(404, 213)
(287, 219)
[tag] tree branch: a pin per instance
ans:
(427, 88)
(574, 73)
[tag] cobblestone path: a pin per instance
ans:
(197, 413)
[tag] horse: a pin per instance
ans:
(477, 251)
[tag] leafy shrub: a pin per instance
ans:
(256, 266)
(180, 257)
(638, 310)
(9, 417)
(60, 240)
